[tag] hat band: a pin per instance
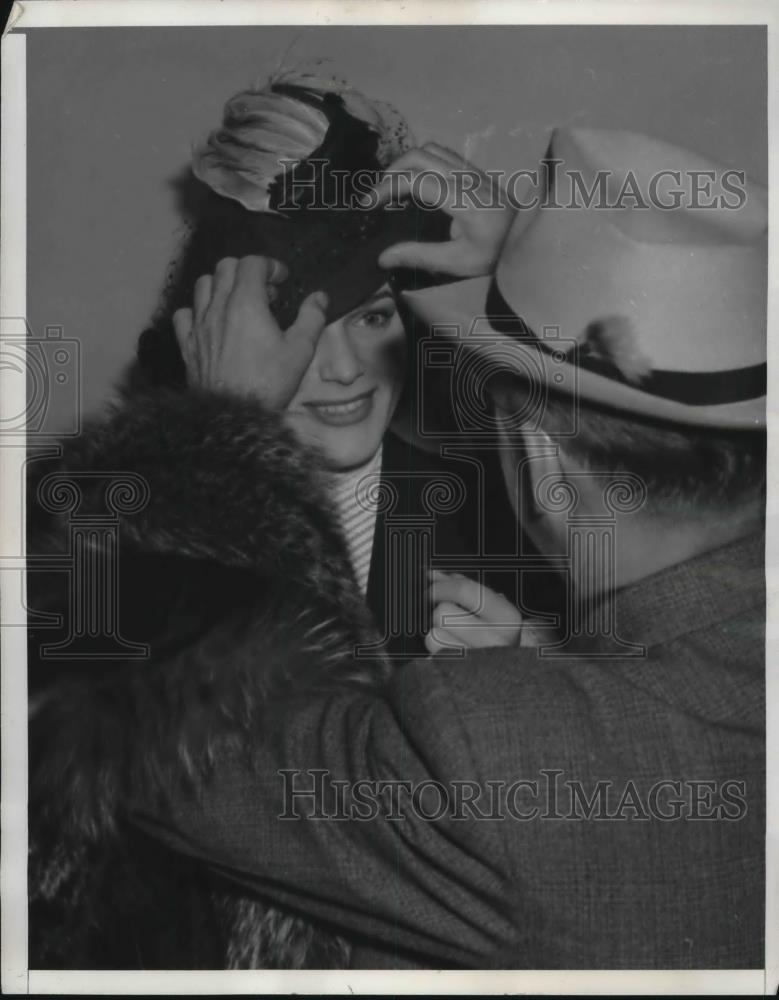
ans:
(733, 385)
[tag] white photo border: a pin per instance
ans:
(16, 977)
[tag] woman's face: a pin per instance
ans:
(351, 388)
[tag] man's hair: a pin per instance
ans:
(679, 465)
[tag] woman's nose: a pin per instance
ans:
(338, 361)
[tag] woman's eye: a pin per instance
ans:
(377, 319)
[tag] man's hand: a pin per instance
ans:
(483, 618)
(230, 340)
(481, 215)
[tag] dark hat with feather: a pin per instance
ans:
(285, 171)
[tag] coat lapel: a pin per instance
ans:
(402, 546)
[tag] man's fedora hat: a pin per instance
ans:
(642, 271)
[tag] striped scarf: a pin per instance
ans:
(356, 506)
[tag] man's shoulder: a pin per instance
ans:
(501, 702)
(518, 704)
(505, 679)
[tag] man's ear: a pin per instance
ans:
(544, 466)
(527, 458)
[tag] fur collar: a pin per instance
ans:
(233, 571)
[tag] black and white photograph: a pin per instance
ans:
(385, 397)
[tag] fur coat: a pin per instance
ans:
(240, 588)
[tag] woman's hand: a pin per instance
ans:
(230, 340)
(480, 211)
(484, 618)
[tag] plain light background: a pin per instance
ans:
(112, 115)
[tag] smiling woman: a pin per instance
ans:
(246, 207)
(349, 392)
(257, 190)
(325, 242)
(343, 408)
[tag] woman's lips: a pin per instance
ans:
(345, 412)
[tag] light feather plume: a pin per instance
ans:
(614, 339)
(283, 120)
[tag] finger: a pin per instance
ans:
(398, 180)
(435, 575)
(449, 156)
(302, 336)
(439, 641)
(492, 607)
(430, 187)
(256, 268)
(489, 187)
(201, 297)
(250, 292)
(253, 274)
(469, 630)
(222, 286)
(194, 364)
(278, 271)
(456, 162)
(481, 636)
(428, 256)
(182, 326)
(466, 593)
(451, 616)
(531, 636)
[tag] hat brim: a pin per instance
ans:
(457, 312)
(345, 267)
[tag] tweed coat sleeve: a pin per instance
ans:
(372, 861)
(554, 882)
